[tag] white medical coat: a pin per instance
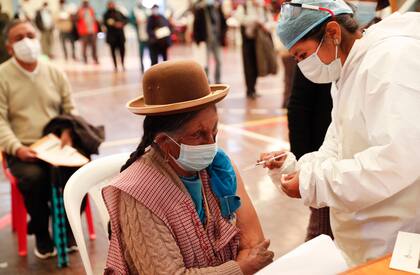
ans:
(368, 168)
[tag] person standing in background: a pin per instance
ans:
(45, 23)
(24, 11)
(251, 15)
(159, 33)
(114, 22)
(4, 20)
(65, 24)
(87, 27)
(210, 27)
(139, 20)
(309, 115)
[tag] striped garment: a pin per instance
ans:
(200, 247)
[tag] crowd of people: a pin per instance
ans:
(351, 158)
(156, 33)
(83, 24)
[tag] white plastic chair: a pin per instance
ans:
(90, 178)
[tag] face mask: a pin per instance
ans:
(365, 11)
(316, 71)
(27, 50)
(194, 158)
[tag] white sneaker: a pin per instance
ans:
(45, 255)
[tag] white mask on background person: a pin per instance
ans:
(194, 158)
(365, 11)
(27, 50)
(318, 72)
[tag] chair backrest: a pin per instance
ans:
(90, 178)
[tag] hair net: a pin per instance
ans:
(291, 28)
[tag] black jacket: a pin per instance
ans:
(155, 22)
(309, 114)
(114, 35)
(199, 25)
(86, 138)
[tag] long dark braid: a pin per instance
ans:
(153, 125)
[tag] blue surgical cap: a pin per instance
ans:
(291, 29)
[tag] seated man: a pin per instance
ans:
(180, 206)
(31, 94)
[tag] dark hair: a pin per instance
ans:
(346, 21)
(13, 24)
(152, 125)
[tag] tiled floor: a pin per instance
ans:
(246, 128)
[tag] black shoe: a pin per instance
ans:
(44, 246)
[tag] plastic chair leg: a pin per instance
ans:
(21, 225)
(14, 207)
(89, 220)
(19, 214)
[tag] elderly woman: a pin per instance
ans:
(179, 206)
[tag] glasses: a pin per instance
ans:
(291, 10)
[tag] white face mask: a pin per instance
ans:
(194, 158)
(316, 71)
(27, 50)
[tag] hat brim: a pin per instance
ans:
(139, 107)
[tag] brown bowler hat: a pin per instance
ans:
(176, 87)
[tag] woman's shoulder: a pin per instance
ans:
(138, 172)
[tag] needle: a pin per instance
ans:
(264, 161)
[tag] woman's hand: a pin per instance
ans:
(273, 164)
(258, 257)
(290, 185)
(25, 153)
(66, 138)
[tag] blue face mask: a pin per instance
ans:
(365, 11)
(194, 158)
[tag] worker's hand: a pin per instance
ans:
(66, 138)
(25, 153)
(258, 257)
(290, 185)
(272, 164)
